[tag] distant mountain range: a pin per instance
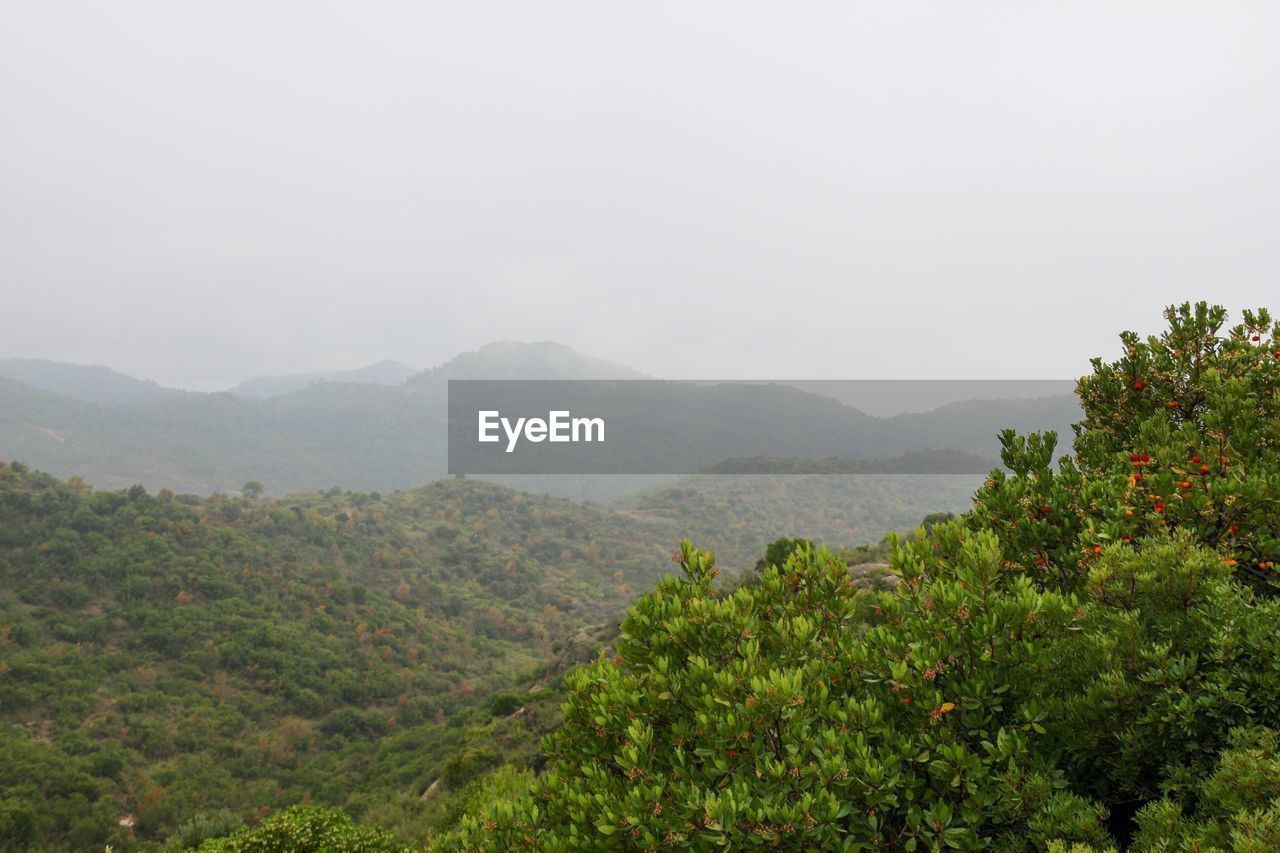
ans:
(115, 431)
(383, 373)
(82, 382)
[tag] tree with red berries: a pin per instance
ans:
(1181, 433)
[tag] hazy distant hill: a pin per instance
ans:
(514, 360)
(680, 427)
(82, 382)
(378, 437)
(357, 435)
(386, 372)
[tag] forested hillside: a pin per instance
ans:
(737, 516)
(185, 663)
(163, 656)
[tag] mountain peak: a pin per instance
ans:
(528, 360)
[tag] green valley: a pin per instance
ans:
(174, 661)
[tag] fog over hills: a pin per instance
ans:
(386, 372)
(371, 435)
(517, 360)
(94, 384)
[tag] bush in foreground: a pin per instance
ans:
(306, 829)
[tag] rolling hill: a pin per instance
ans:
(163, 656)
(82, 382)
(168, 659)
(385, 372)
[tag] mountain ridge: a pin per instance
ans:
(89, 382)
(385, 372)
(380, 437)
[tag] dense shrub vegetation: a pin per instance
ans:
(1085, 660)
(306, 828)
(187, 664)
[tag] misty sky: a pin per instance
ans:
(200, 192)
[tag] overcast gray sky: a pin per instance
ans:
(200, 192)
